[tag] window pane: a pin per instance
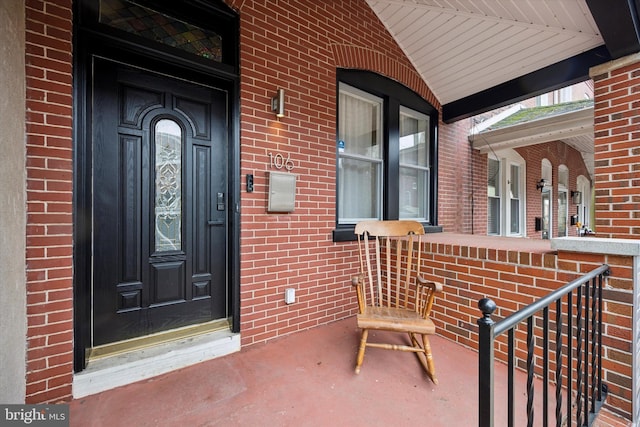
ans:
(515, 182)
(360, 128)
(493, 216)
(562, 213)
(514, 190)
(493, 178)
(414, 184)
(168, 198)
(359, 197)
(515, 216)
(493, 193)
(414, 128)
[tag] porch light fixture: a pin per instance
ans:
(576, 197)
(540, 185)
(277, 103)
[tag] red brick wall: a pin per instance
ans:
(298, 47)
(462, 196)
(617, 146)
(49, 197)
(515, 279)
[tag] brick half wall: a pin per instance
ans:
(514, 279)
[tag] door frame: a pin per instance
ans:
(92, 40)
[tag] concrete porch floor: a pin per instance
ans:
(307, 379)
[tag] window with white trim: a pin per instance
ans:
(505, 194)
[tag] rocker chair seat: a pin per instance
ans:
(395, 320)
(392, 294)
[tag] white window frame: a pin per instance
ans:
(507, 159)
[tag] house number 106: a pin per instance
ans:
(278, 161)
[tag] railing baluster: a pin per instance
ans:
(511, 372)
(579, 354)
(545, 367)
(600, 280)
(569, 356)
(530, 388)
(559, 363)
(586, 377)
(594, 327)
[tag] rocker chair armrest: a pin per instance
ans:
(437, 287)
(426, 294)
(357, 282)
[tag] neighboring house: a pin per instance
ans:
(539, 169)
(157, 185)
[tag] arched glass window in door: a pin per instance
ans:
(168, 186)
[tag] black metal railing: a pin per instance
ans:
(576, 330)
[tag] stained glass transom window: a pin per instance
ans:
(153, 25)
(168, 198)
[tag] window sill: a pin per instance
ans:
(347, 234)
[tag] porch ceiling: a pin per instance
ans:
(478, 55)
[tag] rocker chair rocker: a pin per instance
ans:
(392, 295)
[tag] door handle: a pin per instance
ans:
(215, 223)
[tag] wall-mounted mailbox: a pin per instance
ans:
(538, 223)
(282, 192)
(574, 219)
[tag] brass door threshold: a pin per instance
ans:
(120, 347)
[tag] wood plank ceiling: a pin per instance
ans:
(462, 47)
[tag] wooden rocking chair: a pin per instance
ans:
(392, 295)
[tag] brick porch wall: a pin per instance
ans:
(515, 279)
(617, 148)
(298, 46)
(49, 200)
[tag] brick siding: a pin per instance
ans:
(298, 47)
(617, 138)
(49, 201)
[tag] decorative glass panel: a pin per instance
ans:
(168, 197)
(152, 25)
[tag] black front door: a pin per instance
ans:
(159, 202)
